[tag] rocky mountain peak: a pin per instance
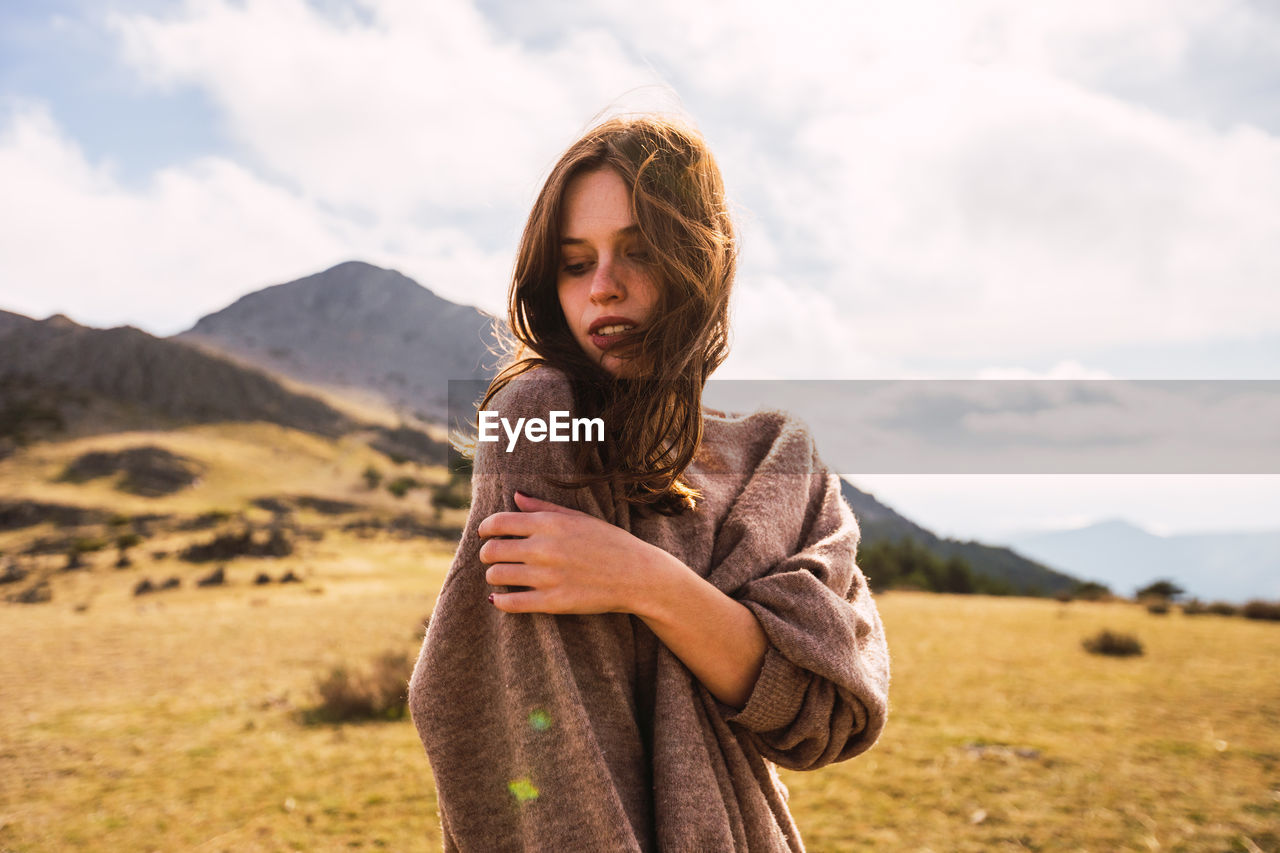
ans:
(360, 326)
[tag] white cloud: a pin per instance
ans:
(191, 241)
(423, 109)
(1068, 369)
(994, 508)
(952, 179)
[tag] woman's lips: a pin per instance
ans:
(604, 342)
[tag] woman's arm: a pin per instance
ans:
(576, 563)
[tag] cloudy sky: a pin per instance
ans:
(961, 188)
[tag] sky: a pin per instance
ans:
(951, 189)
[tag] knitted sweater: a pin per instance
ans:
(568, 732)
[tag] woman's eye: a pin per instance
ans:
(639, 255)
(575, 268)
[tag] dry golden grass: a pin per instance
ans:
(1006, 735)
(173, 721)
(241, 462)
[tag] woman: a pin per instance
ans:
(634, 631)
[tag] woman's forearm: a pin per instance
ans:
(716, 637)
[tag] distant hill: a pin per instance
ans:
(360, 327)
(1228, 566)
(83, 380)
(880, 523)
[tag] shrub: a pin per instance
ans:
(1161, 589)
(1258, 609)
(88, 544)
(400, 486)
(1113, 643)
(1195, 607)
(372, 477)
(455, 495)
(1158, 606)
(217, 577)
(38, 594)
(381, 693)
(1222, 608)
(1091, 591)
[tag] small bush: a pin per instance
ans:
(13, 573)
(1158, 607)
(381, 693)
(1114, 644)
(38, 594)
(1161, 589)
(372, 477)
(1091, 591)
(127, 540)
(400, 486)
(88, 544)
(1265, 610)
(217, 577)
(1195, 607)
(1222, 608)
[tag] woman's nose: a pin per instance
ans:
(605, 285)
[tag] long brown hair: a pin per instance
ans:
(654, 416)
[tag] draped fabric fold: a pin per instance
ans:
(558, 732)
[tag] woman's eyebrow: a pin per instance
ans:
(629, 231)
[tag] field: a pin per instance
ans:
(176, 720)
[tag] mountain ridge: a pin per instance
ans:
(359, 327)
(880, 523)
(1233, 566)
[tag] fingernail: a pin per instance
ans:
(491, 598)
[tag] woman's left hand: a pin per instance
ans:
(574, 562)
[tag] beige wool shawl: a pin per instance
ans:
(564, 732)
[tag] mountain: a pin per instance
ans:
(58, 375)
(1211, 566)
(356, 326)
(880, 523)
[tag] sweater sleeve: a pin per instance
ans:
(525, 716)
(822, 694)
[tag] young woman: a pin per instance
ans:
(635, 631)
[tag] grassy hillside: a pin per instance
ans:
(172, 723)
(176, 720)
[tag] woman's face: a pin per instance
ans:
(605, 282)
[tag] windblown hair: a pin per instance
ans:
(654, 414)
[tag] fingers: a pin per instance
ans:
(527, 503)
(511, 574)
(529, 601)
(508, 551)
(508, 524)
